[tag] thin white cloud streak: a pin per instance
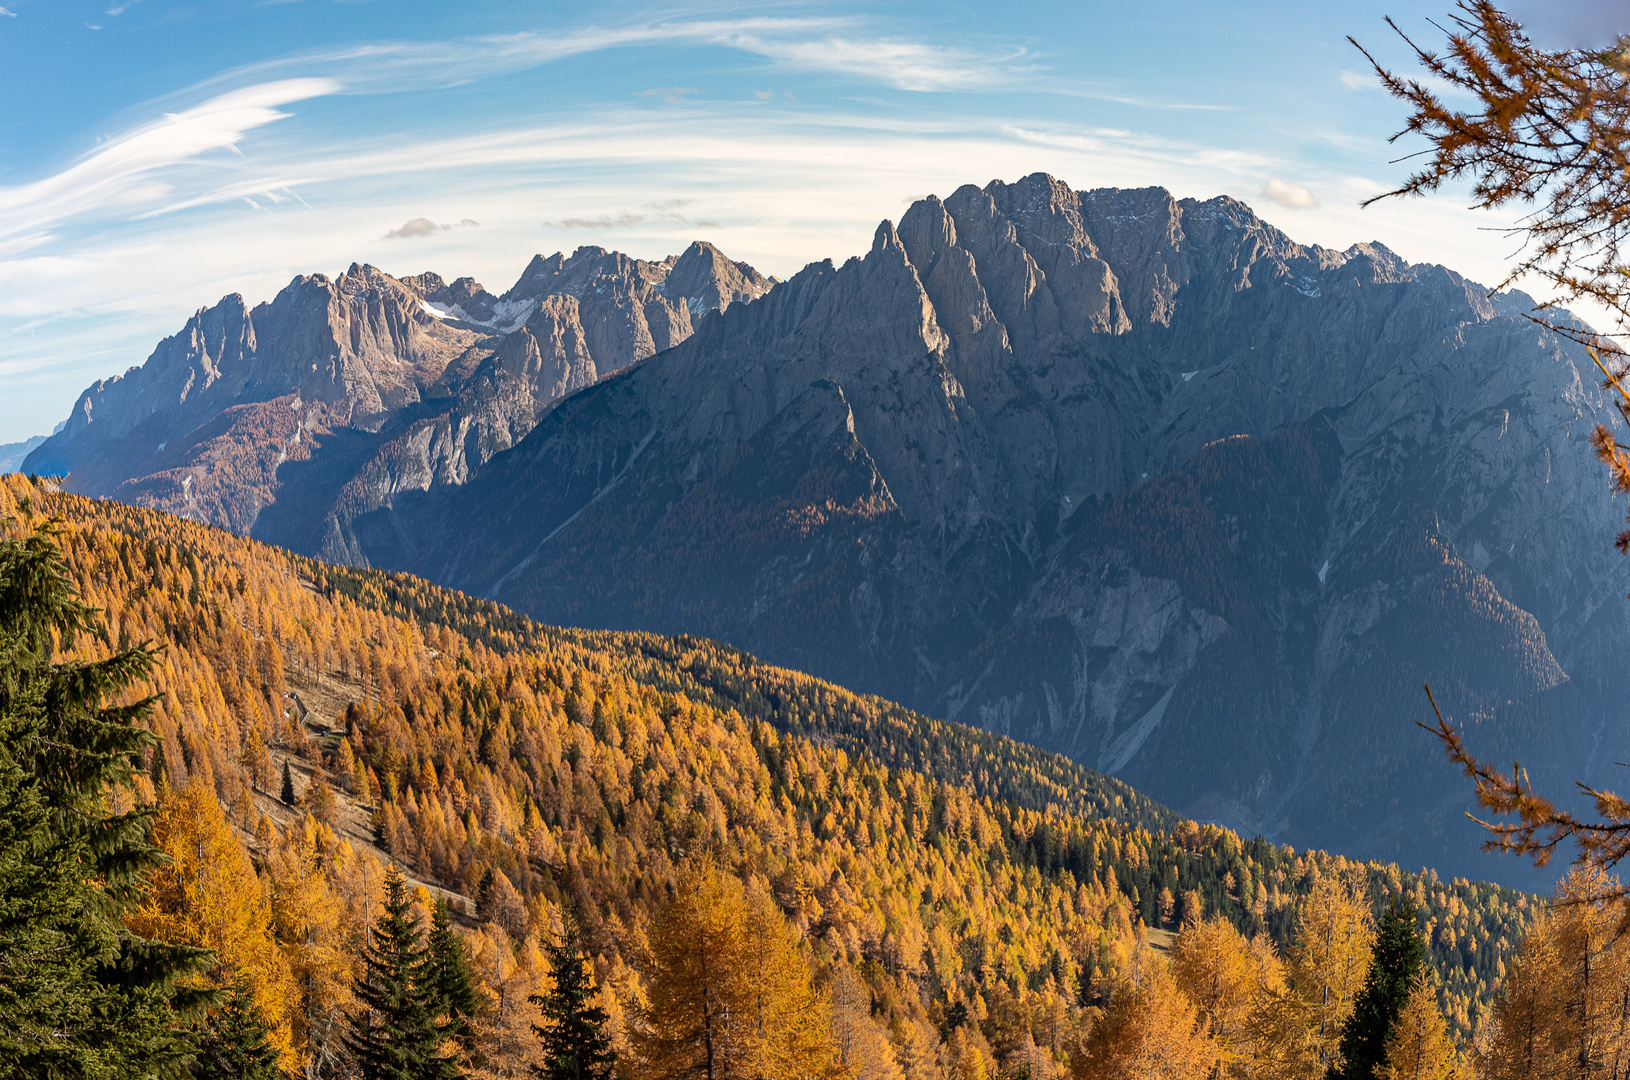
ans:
(810, 44)
(129, 169)
(905, 65)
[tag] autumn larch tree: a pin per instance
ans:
(206, 894)
(860, 1049)
(728, 994)
(1150, 1031)
(1418, 1045)
(1298, 1032)
(1563, 1013)
(319, 799)
(1229, 983)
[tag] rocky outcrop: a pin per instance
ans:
(1128, 476)
(289, 419)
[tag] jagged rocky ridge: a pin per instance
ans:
(1136, 478)
(288, 419)
(1131, 477)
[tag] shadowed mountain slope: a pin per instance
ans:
(1135, 478)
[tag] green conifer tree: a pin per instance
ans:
(1395, 961)
(232, 1041)
(447, 975)
(79, 994)
(573, 1032)
(395, 1036)
(287, 794)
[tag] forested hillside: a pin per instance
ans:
(966, 905)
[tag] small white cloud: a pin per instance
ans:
(604, 221)
(8, 14)
(421, 226)
(1354, 80)
(673, 95)
(1294, 196)
(666, 210)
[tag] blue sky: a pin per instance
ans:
(155, 155)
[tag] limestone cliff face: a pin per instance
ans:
(289, 419)
(1132, 477)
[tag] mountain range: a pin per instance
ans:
(1131, 477)
(344, 391)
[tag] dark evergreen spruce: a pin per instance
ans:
(573, 1036)
(79, 994)
(447, 975)
(1396, 959)
(232, 1041)
(395, 1035)
(287, 794)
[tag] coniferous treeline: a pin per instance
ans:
(959, 901)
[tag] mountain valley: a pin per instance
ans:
(1133, 478)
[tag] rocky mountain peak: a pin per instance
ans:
(364, 384)
(710, 281)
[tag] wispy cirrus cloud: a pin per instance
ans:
(833, 45)
(673, 95)
(138, 166)
(904, 65)
(150, 169)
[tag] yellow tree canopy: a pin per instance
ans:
(1298, 1032)
(208, 896)
(1228, 980)
(1418, 1046)
(728, 990)
(1150, 1031)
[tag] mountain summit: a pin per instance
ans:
(339, 393)
(1132, 477)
